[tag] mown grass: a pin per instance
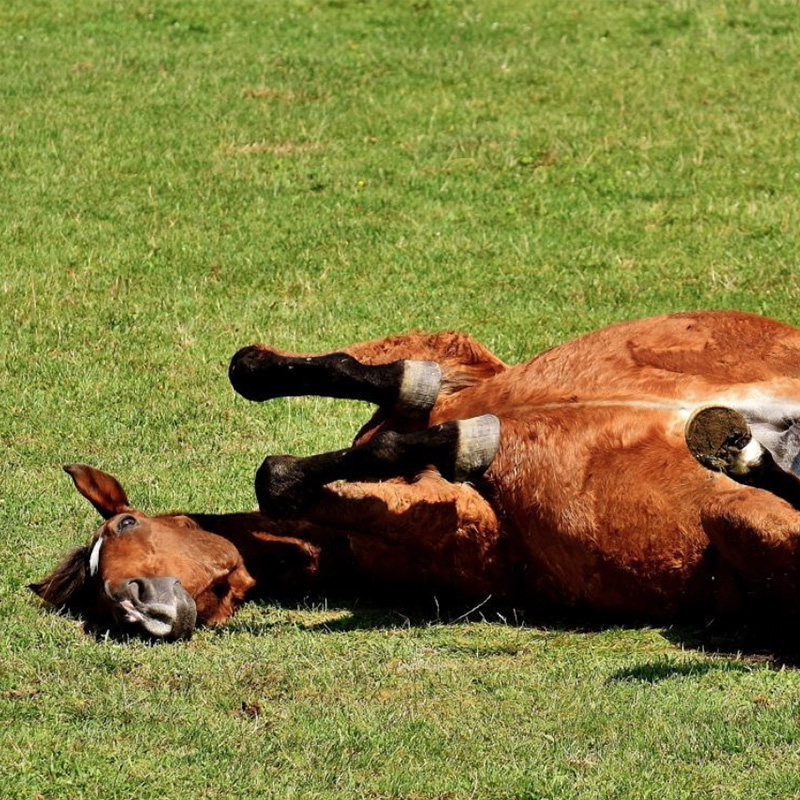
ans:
(179, 179)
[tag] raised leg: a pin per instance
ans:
(405, 374)
(721, 440)
(259, 374)
(286, 486)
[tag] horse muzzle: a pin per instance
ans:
(155, 608)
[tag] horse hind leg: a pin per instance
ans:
(459, 450)
(721, 439)
(758, 536)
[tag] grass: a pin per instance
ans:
(181, 178)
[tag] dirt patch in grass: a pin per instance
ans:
(282, 95)
(279, 149)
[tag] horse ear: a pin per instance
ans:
(241, 582)
(99, 488)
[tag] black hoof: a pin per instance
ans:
(249, 370)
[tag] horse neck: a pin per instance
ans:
(235, 527)
(318, 557)
(246, 527)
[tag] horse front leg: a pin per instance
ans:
(424, 533)
(403, 375)
(459, 450)
(758, 535)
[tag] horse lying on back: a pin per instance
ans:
(646, 469)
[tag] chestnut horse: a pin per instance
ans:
(647, 469)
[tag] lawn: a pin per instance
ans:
(182, 178)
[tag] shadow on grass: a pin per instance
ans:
(662, 669)
(762, 638)
(736, 644)
(768, 639)
(115, 635)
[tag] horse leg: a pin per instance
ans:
(427, 532)
(404, 374)
(721, 440)
(759, 536)
(458, 450)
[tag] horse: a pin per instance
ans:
(648, 470)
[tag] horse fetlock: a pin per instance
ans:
(385, 447)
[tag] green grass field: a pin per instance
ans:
(182, 178)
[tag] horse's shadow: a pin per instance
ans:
(773, 642)
(759, 639)
(661, 669)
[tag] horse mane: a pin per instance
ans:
(66, 587)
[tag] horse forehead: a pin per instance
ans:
(149, 541)
(158, 554)
(172, 539)
(163, 544)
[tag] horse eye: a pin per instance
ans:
(125, 523)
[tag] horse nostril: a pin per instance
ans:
(134, 589)
(158, 608)
(144, 591)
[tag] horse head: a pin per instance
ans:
(155, 577)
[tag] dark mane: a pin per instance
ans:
(66, 587)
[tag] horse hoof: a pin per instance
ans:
(419, 388)
(478, 443)
(716, 436)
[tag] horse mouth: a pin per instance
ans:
(155, 608)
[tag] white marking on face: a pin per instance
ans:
(94, 556)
